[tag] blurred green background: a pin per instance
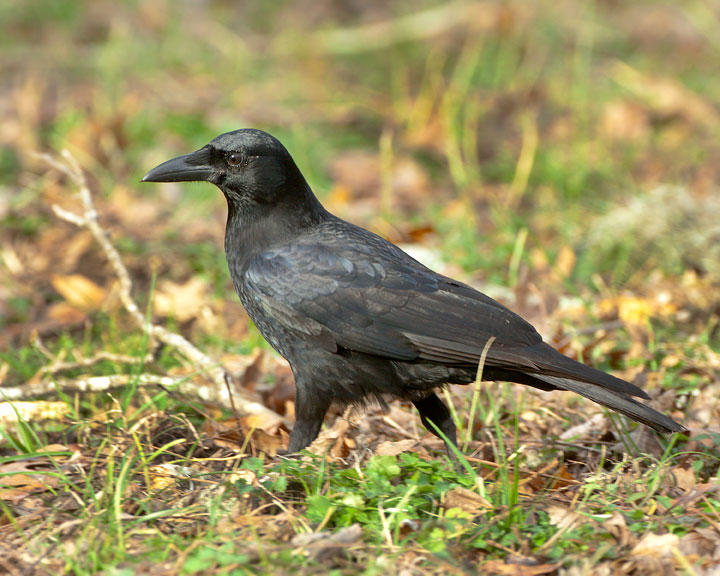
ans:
(496, 130)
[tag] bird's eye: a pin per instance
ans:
(234, 159)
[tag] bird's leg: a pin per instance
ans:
(310, 411)
(432, 409)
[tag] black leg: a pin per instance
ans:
(432, 409)
(310, 411)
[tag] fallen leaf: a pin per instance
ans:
(562, 517)
(79, 291)
(656, 545)
(394, 448)
(332, 442)
(267, 443)
(20, 479)
(164, 476)
(684, 477)
(699, 491)
(666, 96)
(564, 263)
(181, 301)
(65, 314)
(703, 542)
(324, 546)
(594, 426)
(617, 526)
(466, 500)
(635, 311)
(248, 476)
(624, 121)
(501, 567)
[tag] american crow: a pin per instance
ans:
(357, 317)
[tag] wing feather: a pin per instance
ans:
(375, 305)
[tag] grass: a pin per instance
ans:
(525, 124)
(240, 508)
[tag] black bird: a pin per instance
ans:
(355, 316)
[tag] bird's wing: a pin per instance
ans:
(391, 306)
(382, 302)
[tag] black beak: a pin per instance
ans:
(193, 167)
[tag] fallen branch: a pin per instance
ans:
(188, 386)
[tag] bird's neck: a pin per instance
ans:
(253, 228)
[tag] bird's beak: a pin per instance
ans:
(193, 167)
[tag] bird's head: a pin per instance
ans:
(249, 166)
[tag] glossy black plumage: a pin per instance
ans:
(357, 317)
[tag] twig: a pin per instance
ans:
(58, 365)
(189, 386)
(83, 384)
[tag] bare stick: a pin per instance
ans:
(187, 386)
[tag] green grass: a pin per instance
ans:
(396, 500)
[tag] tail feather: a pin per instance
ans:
(558, 365)
(617, 401)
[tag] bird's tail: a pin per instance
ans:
(617, 401)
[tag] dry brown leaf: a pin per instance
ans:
(624, 121)
(563, 517)
(656, 545)
(390, 448)
(79, 291)
(323, 546)
(684, 477)
(634, 310)
(562, 478)
(466, 500)
(266, 420)
(501, 567)
(281, 397)
(332, 442)
(233, 434)
(65, 314)
(703, 542)
(264, 442)
(226, 433)
(594, 426)
(666, 96)
(181, 301)
(617, 526)
(359, 172)
(20, 479)
(699, 491)
(564, 263)
(244, 474)
(253, 371)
